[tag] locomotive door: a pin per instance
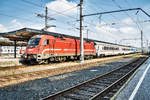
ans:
(46, 48)
(53, 46)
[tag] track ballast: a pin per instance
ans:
(100, 88)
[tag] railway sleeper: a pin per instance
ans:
(85, 92)
(88, 89)
(105, 82)
(114, 78)
(109, 79)
(63, 98)
(105, 98)
(96, 86)
(118, 74)
(76, 97)
(100, 85)
(108, 96)
(104, 85)
(114, 90)
(124, 71)
(94, 89)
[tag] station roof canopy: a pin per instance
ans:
(24, 34)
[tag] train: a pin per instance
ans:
(49, 48)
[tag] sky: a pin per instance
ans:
(122, 28)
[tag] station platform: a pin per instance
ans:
(138, 88)
(7, 62)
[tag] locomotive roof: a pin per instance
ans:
(25, 34)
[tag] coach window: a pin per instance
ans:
(46, 42)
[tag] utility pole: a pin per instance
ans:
(142, 41)
(147, 47)
(46, 19)
(81, 35)
(87, 33)
(147, 43)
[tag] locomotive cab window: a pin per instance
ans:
(34, 42)
(46, 42)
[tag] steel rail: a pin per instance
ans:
(122, 79)
(107, 81)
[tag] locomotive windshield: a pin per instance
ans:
(34, 42)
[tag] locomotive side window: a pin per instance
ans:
(46, 42)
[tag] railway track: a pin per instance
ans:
(100, 88)
(15, 76)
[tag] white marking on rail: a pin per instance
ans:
(139, 83)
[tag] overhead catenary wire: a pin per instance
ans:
(135, 21)
(29, 20)
(102, 27)
(127, 14)
(60, 13)
(110, 25)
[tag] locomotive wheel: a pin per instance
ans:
(46, 61)
(57, 58)
(51, 59)
(41, 62)
(60, 59)
(63, 59)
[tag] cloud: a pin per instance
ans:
(51, 29)
(35, 26)
(3, 28)
(17, 24)
(128, 21)
(112, 34)
(147, 27)
(127, 30)
(103, 27)
(61, 6)
(108, 33)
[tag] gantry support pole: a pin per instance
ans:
(142, 42)
(81, 35)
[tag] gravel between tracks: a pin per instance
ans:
(36, 89)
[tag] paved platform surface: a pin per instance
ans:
(138, 87)
(6, 62)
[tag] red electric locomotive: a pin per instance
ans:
(47, 48)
